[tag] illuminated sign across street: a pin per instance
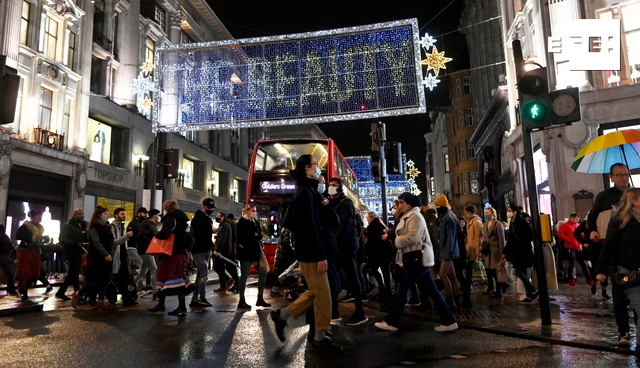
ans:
(343, 74)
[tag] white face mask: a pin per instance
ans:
(509, 214)
(333, 191)
(321, 188)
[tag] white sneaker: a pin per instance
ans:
(443, 328)
(384, 326)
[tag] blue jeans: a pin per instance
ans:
(200, 259)
(409, 279)
(521, 273)
(245, 269)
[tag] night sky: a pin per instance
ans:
(439, 18)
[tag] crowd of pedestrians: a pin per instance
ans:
(427, 256)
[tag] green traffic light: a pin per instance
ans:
(534, 111)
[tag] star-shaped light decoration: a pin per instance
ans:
(416, 191)
(435, 60)
(142, 85)
(146, 103)
(430, 81)
(147, 67)
(427, 42)
(413, 172)
(410, 163)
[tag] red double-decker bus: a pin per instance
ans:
(271, 188)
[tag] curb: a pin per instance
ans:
(21, 309)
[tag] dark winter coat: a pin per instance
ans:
(224, 239)
(622, 244)
(72, 235)
(249, 240)
(134, 226)
(175, 222)
(202, 229)
(148, 230)
(347, 235)
(377, 249)
(100, 243)
(305, 219)
(519, 249)
(604, 201)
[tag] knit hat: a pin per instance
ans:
(441, 201)
(410, 199)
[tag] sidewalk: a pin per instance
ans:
(578, 318)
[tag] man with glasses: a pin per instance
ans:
(608, 200)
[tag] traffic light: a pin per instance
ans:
(376, 166)
(395, 164)
(534, 99)
(170, 163)
(565, 106)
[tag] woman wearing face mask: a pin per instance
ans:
(519, 250)
(492, 247)
(251, 253)
(99, 260)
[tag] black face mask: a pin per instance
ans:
(218, 219)
(208, 212)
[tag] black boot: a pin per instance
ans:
(466, 302)
(262, 303)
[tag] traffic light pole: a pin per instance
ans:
(532, 189)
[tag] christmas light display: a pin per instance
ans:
(370, 191)
(352, 73)
(435, 61)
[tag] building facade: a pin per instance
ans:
(462, 154)
(82, 136)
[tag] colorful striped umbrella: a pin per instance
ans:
(597, 156)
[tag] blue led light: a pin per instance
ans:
(352, 73)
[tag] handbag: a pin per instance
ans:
(161, 246)
(627, 279)
(479, 272)
(412, 260)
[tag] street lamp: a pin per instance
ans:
(141, 160)
(181, 175)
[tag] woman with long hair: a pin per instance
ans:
(412, 238)
(99, 260)
(448, 233)
(171, 269)
(492, 247)
(251, 253)
(622, 244)
(519, 250)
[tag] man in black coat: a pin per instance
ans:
(148, 229)
(202, 230)
(348, 243)
(73, 238)
(609, 199)
(224, 247)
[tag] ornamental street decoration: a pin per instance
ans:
(351, 73)
(434, 61)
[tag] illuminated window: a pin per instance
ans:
(99, 141)
(50, 37)
(214, 184)
(71, 54)
(24, 22)
(45, 108)
(189, 172)
(474, 186)
(446, 162)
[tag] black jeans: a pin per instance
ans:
(7, 265)
(73, 275)
(575, 254)
(383, 278)
(222, 267)
(350, 269)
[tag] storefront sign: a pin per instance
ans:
(277, 187)
(343, 74)
(108, 176)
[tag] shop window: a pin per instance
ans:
(474, 186)
(111, 204)
(214, 183)
(189, 168)
(99, 140)
(24, 22)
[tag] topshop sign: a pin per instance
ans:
(342, 74)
